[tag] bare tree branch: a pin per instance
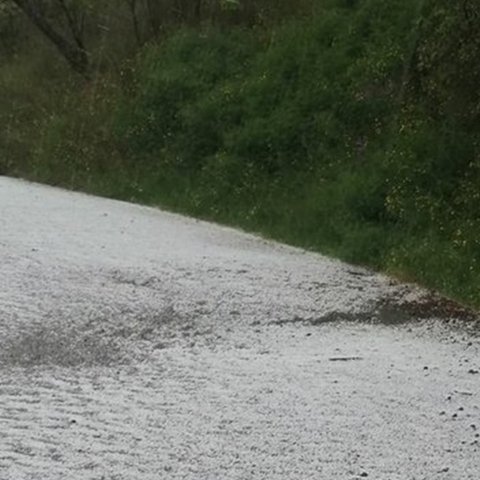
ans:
(73, 52)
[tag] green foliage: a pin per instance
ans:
(283, 102)
(174, 107)
(448, 71)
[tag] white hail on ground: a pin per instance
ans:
(138, 344)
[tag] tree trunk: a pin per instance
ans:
(132, 5)
(153, 16)
(197, 11)
(73, 52)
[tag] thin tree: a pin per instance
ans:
(132, 6)
(71, 46)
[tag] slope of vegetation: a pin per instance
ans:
(346, 126)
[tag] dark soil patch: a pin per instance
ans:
(391, 311)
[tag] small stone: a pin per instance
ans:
(364, 474)
(472, 371)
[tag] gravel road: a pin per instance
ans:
(137, 344)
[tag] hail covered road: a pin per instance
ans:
(138, 344)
